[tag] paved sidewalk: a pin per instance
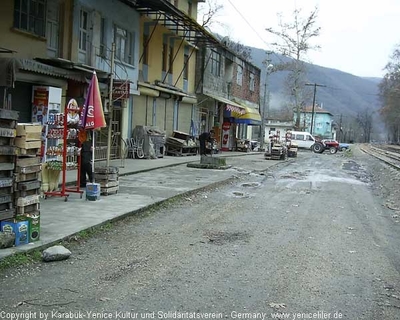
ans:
(142, 183)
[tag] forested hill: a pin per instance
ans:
(344, 93)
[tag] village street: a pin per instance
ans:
(315, 237)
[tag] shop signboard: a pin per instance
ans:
(121, 89)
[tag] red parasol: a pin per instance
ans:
(92, 116)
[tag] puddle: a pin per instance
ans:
(251, 185)
(223, 237)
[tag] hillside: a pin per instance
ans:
(344, 93)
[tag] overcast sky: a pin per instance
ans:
(357, 36)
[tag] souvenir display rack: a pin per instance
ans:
(64, 155)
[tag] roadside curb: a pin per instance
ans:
(122, 216)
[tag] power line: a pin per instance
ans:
(254, 30)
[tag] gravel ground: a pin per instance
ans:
(318, 234)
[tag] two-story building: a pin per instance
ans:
(323, 124)
(228, 89)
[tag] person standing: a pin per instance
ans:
(86, 163)
(203, 138)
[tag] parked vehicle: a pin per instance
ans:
(302, 139)
(321, 146)
(343, 146)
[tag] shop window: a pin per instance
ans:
(215, 63)
(123, 45)
(30, 16)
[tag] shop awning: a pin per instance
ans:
(230, 105)
(250, 117)
(38, 67)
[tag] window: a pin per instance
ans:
(239, 75)
(30, 16)
(215, 63)
(165, 57)
(123, 45)
(52, 28)
(252, 82)
(186, 66)
(190, 9)
(299, 137)
(145, 49)
(171, 59)
(83, 30)
(103, 42)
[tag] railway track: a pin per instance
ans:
(389, 154)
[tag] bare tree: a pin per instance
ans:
(294, 41)
(389, 89)
(364, 120)
(209, 12)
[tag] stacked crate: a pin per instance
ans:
(27, 172)
(8, 122)
(108, 178)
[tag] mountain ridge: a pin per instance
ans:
(345, 94)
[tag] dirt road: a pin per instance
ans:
(314, 238)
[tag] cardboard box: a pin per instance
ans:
(29, 131)
(22, 143)
(34, 225)
(20, 229)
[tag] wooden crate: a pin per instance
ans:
(29, 131)
(7, 214)
(9, 114)
(6, 182)
(6, 206)
(8, 150)
(108, 184)
(5, 198)
(25, 161)
(26, 193)
(107, 191)
(28, 152)
(28, 209)
(8, 132)
(20, 177)
(24, 144)
(29, 169)
(6, 166)
(27, 201)
(28, 185)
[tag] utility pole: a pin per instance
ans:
(265, 108)
(110, 106)
(315, 85)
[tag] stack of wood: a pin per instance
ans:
(180, 144)
(108, 178)
(8, 123)
(27, 172)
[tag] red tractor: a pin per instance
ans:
(322, 145)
